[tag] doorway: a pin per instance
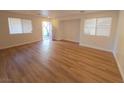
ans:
(46, 30)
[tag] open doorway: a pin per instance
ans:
(46, 30)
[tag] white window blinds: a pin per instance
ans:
(98, 26)
(15, 26)
(27, 26)
(103, 26)
(19, 26)
(90, 26)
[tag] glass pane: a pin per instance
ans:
(104, 26)
(90, 26)
(27, 26)
(15, 26)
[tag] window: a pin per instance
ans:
(27, 26)
(103, 26)
(90, 26)
(15, 26)
(19, 26)
(98, 26)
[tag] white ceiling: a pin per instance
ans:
(52, 13)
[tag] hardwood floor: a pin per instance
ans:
(57, 61)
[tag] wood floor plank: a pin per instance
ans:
(57, 61)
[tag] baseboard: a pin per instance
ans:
(119, 66)
(95, 47)
(69, 41)
(19, 44)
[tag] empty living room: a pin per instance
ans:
(61, 46)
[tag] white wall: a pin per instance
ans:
(7, 40)
(99, 42)
(119, 44)
(56, 31)
(70, 29)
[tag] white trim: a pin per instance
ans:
(103, 49)
(19, 44)
(119, 66)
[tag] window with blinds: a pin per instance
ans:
(19, 26)
(90, 26)
(15, 26)
(98, 26)
(26, 26)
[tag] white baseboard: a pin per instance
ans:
(119, 66)
(19, 44)
(103, 49)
